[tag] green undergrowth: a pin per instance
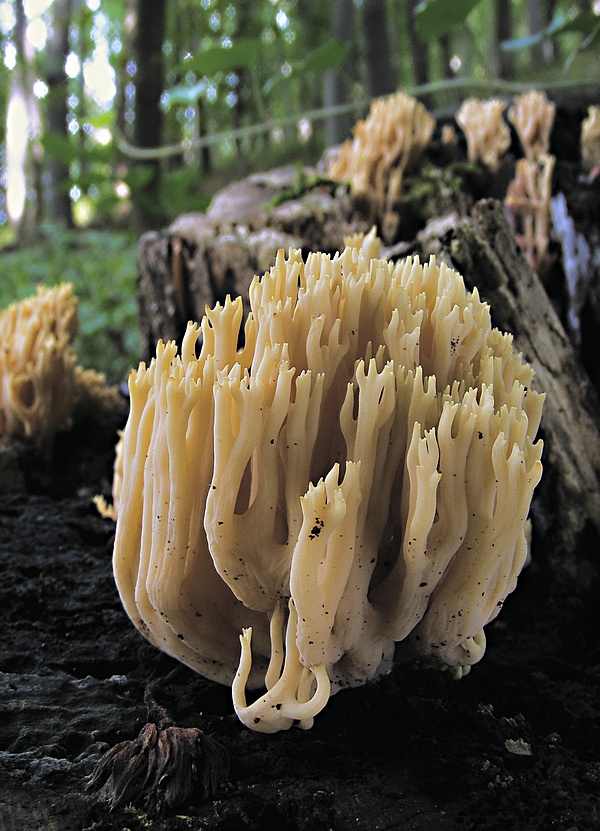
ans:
(101, 265)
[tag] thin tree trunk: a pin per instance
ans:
(337, 84)
(23, 128)
(539, 13)
(149, 85)
(57, 47)
(380, 69)
(419, 51)
(503, 30)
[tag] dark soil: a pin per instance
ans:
(515, 745)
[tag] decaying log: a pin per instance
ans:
(567, 504)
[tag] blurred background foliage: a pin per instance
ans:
(121, 114)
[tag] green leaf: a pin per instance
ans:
(87, 179)
(585, 44)
(139, 177)
(104, 154)
(328, 57)
(60, 148)
(435, 18)
(244, 53)
(182, 94)
(584, 23)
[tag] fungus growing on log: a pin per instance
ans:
(590, 138)
(532, 116)
(527, 202)
(357, 475)
(384, 146)
(529, 194)
(41, 386)
(487, 135)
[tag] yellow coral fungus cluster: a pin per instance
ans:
(590, 138)
(532, 116)
(488, 136)
(40, 383)
(358, 474)
(528, 196)
(384, 145)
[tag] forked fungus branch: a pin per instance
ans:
(487, 135)
(357, 475)
(590, 138)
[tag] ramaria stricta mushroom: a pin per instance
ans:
(357, 475)
(527, 202)
(590, 139)
(384, 146)
(487, 134)
(529, 194)
(41, 386)
(532, 116)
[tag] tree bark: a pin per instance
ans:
(539, 14)
(419, 50)
(57, 47)
(505, 64)
(149, 85)
(337, 84)
(23, 153)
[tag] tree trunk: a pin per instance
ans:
(380, 69)
(23, 130)
(149, 85)
(503, 30)
(57, 47)
(419, 50)
(337, 84)
(539, 14)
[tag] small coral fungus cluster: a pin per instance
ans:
(357, 475)
(528, 197)
(385, 145)
(392, 139)
(41, 386)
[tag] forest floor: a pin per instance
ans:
(514, 745)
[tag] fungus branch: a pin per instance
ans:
(384, 146)
(488, 137)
